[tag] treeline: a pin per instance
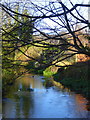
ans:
(58, 44)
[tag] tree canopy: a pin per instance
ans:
(65, 38)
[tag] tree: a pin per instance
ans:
(14, 40)
(65, 31)
(15, 35)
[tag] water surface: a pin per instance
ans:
(28, 98)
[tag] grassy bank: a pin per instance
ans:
(76, 78)
(45, 71)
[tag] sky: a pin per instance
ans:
(45, 2)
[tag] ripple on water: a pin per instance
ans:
(42, 102)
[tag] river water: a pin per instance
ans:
(28, 98)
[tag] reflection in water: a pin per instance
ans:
(28, 98)
(23, 106)
(29, 82)
(88, 105)
(81, 101)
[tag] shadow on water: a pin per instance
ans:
(29, 98)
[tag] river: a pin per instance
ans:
(28, 98)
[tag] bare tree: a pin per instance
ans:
(63, 36)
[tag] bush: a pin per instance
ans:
(76, 78)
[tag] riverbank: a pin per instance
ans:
(42, 102)
(76, 78)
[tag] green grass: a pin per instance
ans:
(48, 72)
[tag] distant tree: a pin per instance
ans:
(63, 19)
(14, 41)
(16, 35)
